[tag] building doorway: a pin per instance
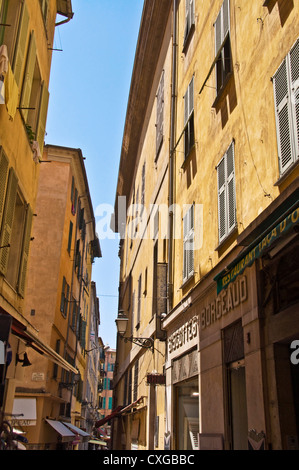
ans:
(187, 415)
(238, 406)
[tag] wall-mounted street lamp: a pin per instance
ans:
(121, 325)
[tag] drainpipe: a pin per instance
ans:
(171, 160)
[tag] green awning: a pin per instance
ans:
(256, 249)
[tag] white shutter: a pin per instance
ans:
(188, 244)
(222, 25)
(283, 117)
(221, 200)
(294, 69)
(226, 194)
(231, 202)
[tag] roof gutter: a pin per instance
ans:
(68, 12)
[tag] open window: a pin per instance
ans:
(223, 59)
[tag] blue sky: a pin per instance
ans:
(89, 89)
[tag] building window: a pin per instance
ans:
(64, 297)
(160, 115)
(139, 300)
(190, 19)
(189, 118)
(135, 390)
(15, 228)
(70, 237)
(286, 95)
(222, 46)
(188, 244)
(226, 194)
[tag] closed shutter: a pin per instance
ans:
(3, 13)
(62, 301)
(19, 56)
(133, 312)
(83, 334)
(226, 194)
(221, 200)
(25, 251)
(7, 219)
(42, 118)
(231, 202)
(3, 180)
(188, 247)
(294, 66)
(222, 26)
(160, 112)
(189, 17)
(28, 77)
(283, 117)
(189, 101)
(286, 95)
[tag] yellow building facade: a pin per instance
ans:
(212, 134)
(26, 42)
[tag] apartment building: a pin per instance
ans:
(26, 42)
(212, 132)
(61, 302)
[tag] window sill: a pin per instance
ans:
(285, 175)
(228, 238)
(222, 90)
(187, 281)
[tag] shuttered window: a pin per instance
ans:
(139, 300)
(44, 7)
(3, 13)
(226, 194)
(20, 49)
(286, 95)
(64, 297)
(42, 116)
(3, 180)
(7, 219)
(69, 245)
(28, 78)
(222, 45)
(133, 312)
(189, 118)
(190, 17)
(188, 244)
(25, 251)
(160, 115)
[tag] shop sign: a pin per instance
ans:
(224, 303)
(183, 335)
(223, 280)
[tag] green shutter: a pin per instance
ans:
(7, 220)
(28, 77)
(70, 237)
(25, 251)
(3, 180)
(20, 50)
(42, 118)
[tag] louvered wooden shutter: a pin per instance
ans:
(28, 77)
(42, 118)
(25, 251)
(189, 17)
(62, 301)
(286, 95)
(133, 312)
(294, 68)
(222, 26)
(19, 56)
(160, 112)
(221, 200)
(3, 180)
(226, 194)
(283, 117)
(231, 203)
(188, 244)
(189, 101)
(7, 219)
